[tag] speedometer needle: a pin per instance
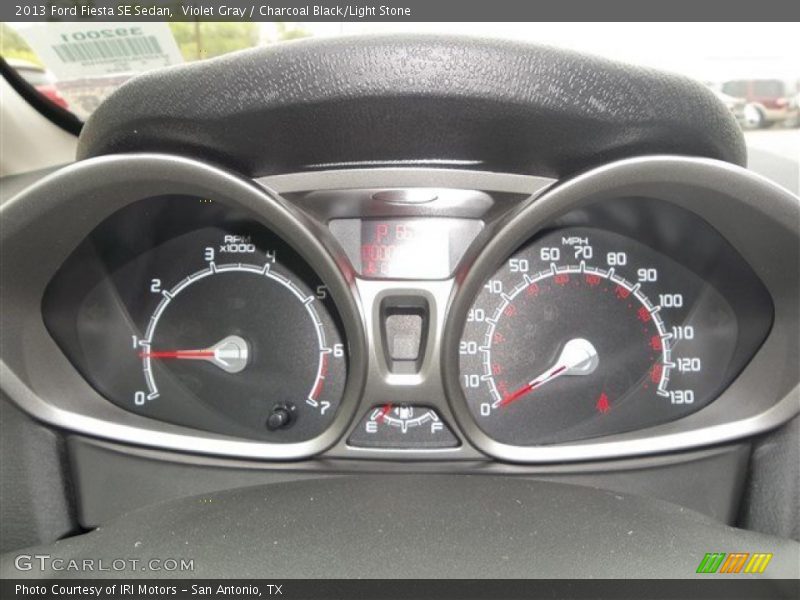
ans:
(578, 357)
(229, 354)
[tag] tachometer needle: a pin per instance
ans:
(178, 354)
(578, 357)
(229, 354)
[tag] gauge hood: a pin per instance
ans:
(412, 99)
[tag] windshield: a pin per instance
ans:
(82, 63)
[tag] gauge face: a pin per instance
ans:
(207, 319)
(404, 417)
(245, 334)
(585, 333)
(405, 426)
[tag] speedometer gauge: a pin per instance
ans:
(585, 333)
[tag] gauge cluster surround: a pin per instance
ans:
(623, 312)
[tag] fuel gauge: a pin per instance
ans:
(402, 426)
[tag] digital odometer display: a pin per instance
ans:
(399, 249)
(417, 248)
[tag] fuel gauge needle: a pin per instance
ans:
(384, 411)
(229, 354)
(578, 357)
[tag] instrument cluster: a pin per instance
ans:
(554, 322)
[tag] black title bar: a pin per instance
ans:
(400, 10)
(712, 588)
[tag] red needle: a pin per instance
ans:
(529, 387)
(178, 354)
(384, 411)
(578, 357)
(231, 354)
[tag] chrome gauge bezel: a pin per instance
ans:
(63, 209)
(766, 392)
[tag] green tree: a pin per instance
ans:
(201, 39)
(287, 31)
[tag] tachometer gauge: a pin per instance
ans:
(189, 312)
(585, 333)
(241, 337)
